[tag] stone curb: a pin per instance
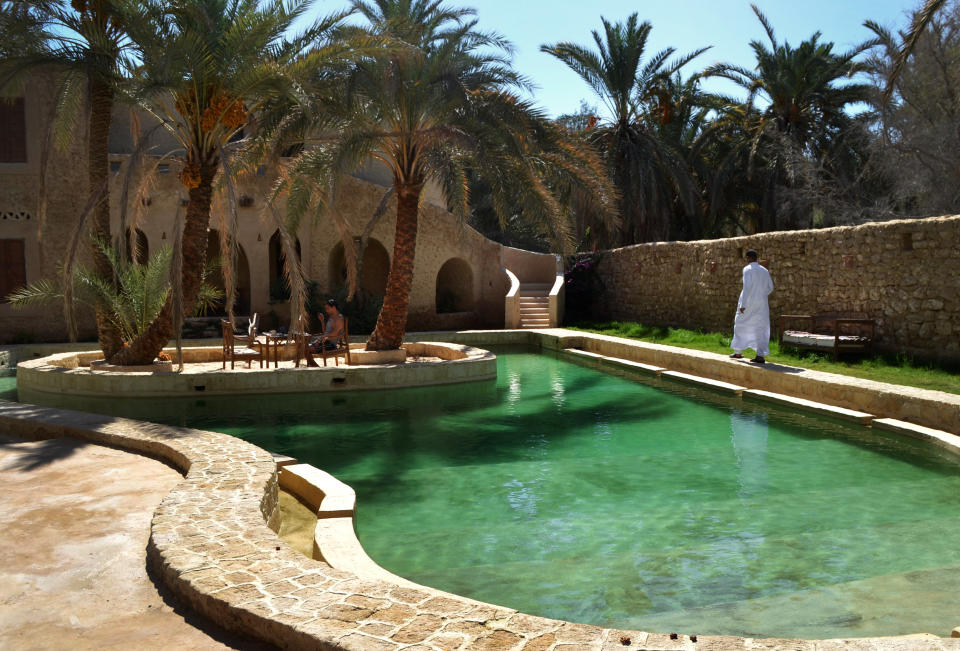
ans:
(70, 373)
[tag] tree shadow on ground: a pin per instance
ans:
(31, 455)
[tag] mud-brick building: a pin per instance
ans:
(461, 278)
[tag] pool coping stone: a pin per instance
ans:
(614, 361)
(716, 385)
(803, 404)
(944, 440)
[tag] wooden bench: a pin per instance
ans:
(828, 332)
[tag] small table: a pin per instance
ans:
(276, 340)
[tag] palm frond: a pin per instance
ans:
(921, 21)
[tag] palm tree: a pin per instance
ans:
(921, 21)
(435, 110)
(207, 66)
(679, 114)
(798, 84)
(917, 110)
(649, 174)
(804, 110)
(85, 43)
(131, 298)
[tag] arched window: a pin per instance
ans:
(455, 287)
(336, 268)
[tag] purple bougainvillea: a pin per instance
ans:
(583, 285)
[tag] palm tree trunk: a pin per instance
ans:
(151, 341)
(101, 105)
(392, 322)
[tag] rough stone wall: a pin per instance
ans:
(905, 274)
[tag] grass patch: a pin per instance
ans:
(880, 368)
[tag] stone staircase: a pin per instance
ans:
(534, 305)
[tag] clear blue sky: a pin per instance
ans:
(728, 25)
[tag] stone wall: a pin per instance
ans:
(905, 274)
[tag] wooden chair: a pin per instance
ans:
(232, 352)
(343, 345)
(248, 339)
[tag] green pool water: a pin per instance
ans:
(572, 493)
(8, 387)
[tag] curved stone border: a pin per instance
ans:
(933, 409)
(213, 542)
(334, 538)
(70, 373)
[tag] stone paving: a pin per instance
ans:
(213, 543)
(73, 572)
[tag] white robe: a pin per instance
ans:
(751, 328)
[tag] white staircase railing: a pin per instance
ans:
(536, 299)
(512, 304)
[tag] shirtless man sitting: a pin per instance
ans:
(332, 331)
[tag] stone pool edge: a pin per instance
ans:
(69, 372)
(928, 408)
(214, 544)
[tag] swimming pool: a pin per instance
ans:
(571, 493)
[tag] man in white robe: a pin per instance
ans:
(751, 326)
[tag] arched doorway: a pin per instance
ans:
(455, 287)
(374, 272)
(241, 277)
(279, 291)
(376, 268)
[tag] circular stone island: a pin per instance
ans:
(415, 364)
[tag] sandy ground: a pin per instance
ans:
(75, 522)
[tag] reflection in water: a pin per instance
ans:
(749, 436)
(523, 499)
(251, 413)
(513, 391)
(602, 428)
(558, 390)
